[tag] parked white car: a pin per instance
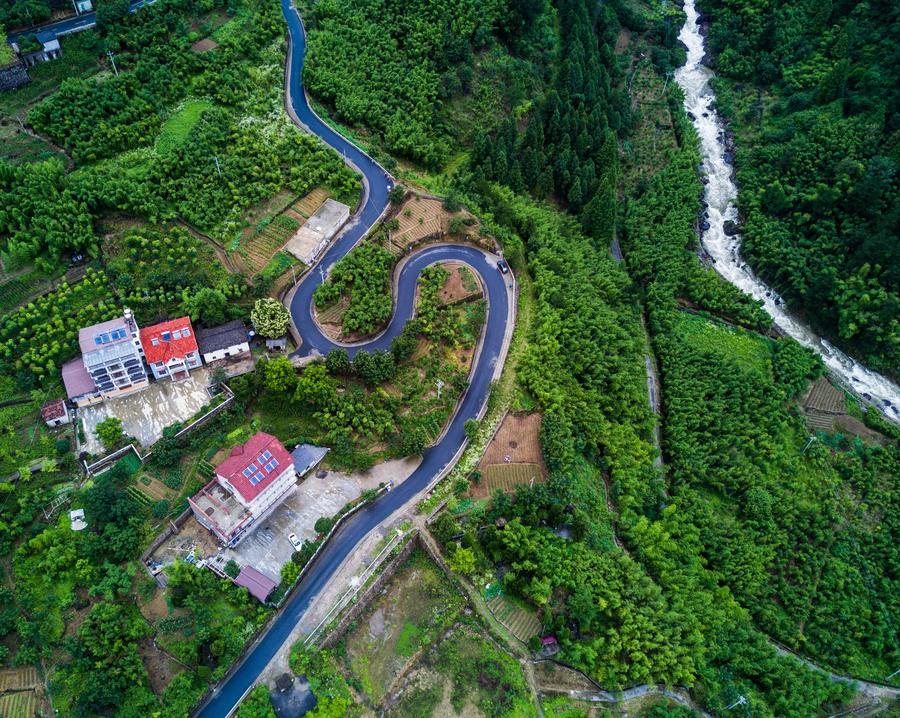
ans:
(295, 542)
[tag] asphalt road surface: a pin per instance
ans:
(227, 695)
(55, 30)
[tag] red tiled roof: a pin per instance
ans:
(53, 409)
(244, 464)
(259, 585)
(168, 349)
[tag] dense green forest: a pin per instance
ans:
(423, 76)
(813, 91)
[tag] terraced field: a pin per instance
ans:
(269, 236)
(18, 692)
(22, 704)
(310, 203)
(257, 248)
(506, 477)
(19, 679)
(519, 621)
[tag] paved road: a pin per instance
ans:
(437, 457)
(55, 30)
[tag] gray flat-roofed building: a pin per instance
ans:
(322, 226)
(306, 457)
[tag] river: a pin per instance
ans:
(693, 78)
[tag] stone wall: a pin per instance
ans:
(13, 76)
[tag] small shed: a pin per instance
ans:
(306, 457)
(55, 413)
(76, 516)
(259, 585)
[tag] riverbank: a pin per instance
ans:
(720, 195)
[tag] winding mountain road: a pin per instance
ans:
(376, 185)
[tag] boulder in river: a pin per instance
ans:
(692, 117)
(704, 225)
(730, 228)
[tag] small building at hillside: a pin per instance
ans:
(258, 584)
(322, 226)
(227, 341)
(55, 413)
(171, 349)
(255, 478)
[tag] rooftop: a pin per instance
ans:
(53, 409)
(221, 337)
(251, 467)
(221, 508)
(259, 585)
(103, 334)
(306, 456)
(319, 229)
(76, 379)
(169, 340)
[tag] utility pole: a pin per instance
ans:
(808, 443)
(892, 674)
(741, 701)
(109, 54)
(440, 385)
(218, 168)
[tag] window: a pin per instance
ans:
(272, 464)
(166, 336)
(186, 332)
(176, 334)
(247, 472)
(252, 468)
(266, 455)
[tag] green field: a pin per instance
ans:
(179, 125)
(746, 349)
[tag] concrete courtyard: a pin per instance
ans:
(146, 413)
(267, 548)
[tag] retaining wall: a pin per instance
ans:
(362, 601)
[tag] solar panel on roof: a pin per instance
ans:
(272, 464)
(266, 455)
(247, 471)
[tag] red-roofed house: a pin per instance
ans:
(55, 413)
(249, 484)
(170, 348)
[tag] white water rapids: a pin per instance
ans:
(693, 78)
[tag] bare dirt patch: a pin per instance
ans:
(517, 441)
(204, 45)
(161, 668)
(622, 40)
(460, 285)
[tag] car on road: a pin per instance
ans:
(295, 542)
(503, 266)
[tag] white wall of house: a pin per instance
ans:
(164, 370)
(235, 350)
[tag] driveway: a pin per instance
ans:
(146, 413)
